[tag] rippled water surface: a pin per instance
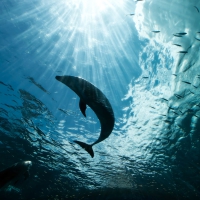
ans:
(143, 55)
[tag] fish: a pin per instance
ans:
(177, 35)
(177, 45)
(63, 111)
(93, 97)
(186, 82)
(156, 31)
(195, 86)
(191, 92)
(182, 52)
(178, 96)
(163, 115)
(11, 175)
(197, 39)
(182, 33)
(131, 14)
(196, 9)
(164, 99)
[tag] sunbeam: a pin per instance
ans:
(77, 37)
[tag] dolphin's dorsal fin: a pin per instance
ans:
(82, 106)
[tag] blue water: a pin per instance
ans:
(151, 83)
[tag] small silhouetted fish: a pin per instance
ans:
(197, 39)
(178, 96)
(196, 9)
(186, 82)
(174, 74)
(131, 14)
(152, 107)
(177, 35)
(177, 45)
(180, 111)
(145, 77)
(14, 173)
(182, 52)
(163, 115)
(38, 85)
(164, 99)
(3, 83)
(40, 132)
(63, 111)
(174, 112)
(167, 121)
(156, 31)
(7, 61)
(182, 33)
(191, 92)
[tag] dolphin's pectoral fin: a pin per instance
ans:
(26, 175)
(82, 106)
(87, 147)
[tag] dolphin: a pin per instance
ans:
(97, 101)
(13, 174)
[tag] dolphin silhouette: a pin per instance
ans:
(97, 101)
(12, 174)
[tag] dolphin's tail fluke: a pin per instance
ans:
(87, 147)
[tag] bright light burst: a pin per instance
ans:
(82, 32)
(90, 5)
(79, 37)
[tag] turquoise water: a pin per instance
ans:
(151, 79)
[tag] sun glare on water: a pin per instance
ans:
(89, 6)
(98, 4)
(76, 33)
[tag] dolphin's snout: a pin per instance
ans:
(58, 78)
